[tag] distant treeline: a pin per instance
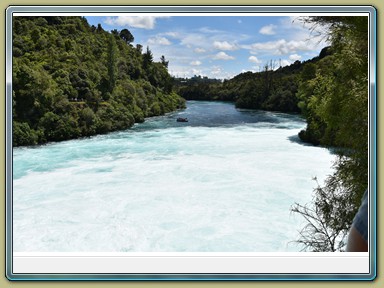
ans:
(71, 80)
(271, 89)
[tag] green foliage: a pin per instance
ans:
(87, 121)
(334, 99)
(126, 35)
(147, 58)
(112, 61)
(71, 80)
(23, 134)
(268, 90)
(163, 61)
(58, 128)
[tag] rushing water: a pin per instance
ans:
(222, 182)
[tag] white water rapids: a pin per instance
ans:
(223, 182)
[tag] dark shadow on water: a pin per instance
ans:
(333, 150)
(296, 139)
(216, 114)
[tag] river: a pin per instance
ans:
(222, 182)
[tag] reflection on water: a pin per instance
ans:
(218, 114)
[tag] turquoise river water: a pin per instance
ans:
(222, 182)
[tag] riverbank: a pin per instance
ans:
(83, 119)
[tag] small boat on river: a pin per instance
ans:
(180, 119)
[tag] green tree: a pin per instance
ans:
(164, 62)
(87, 120)
(23, 134)
(147, 58)
(34, 92)
(337, 98)
(112, 61)
(126, 35)
(58, 128)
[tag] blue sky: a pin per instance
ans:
(219, 46)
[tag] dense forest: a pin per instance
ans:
(72, 80)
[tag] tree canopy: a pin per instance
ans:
(126, 35)
(334, 99)
(71, 80)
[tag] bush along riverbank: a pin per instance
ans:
(72, 80)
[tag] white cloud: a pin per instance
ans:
(285, 62)
(282, 47)
(223, 56)
(172, 34)
(254, 59)
(199, 50)
(216, 70)
(300, 23)
(295, 28)
(210, 30)
(193, 39)
(196, 71)
(159, 41)
(268, 30)
(294, 57)
(145, 22)
(195, 51)
(195, 63)
(180, 71)
(253, 69)
(224, 45)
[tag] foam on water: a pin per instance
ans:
(162, 186)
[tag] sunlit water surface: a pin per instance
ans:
(223, 182)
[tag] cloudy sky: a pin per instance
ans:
(219, 46)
